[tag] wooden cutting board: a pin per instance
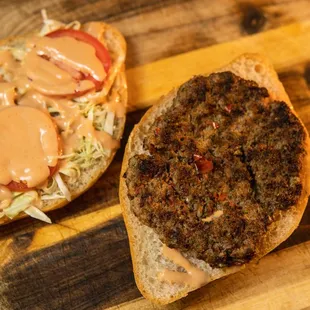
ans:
(82, 261)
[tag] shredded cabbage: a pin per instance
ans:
(38, 214)
(88, 151)
(109, 123)
(90, 114)
(19, 52)
(18, 49)
(52, 109)
(71, 170)
(20, 203)
(84, 157)
(53, 196)
(62, 186)
(51, 187)
(51, 191)
(102, 118)
(5, 203)
(50, 25)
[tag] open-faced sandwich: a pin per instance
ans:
(63, 96)
(214, 177)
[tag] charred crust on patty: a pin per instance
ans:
(222, 163)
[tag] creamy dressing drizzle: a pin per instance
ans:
(49, 79)
(70, 121)
(5, 193)
(7, 94)
(193, 277)
(114, 104)
(76, 54)
(29, 145)
(51, 70)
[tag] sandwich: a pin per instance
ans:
(63, 97)
(214, 177)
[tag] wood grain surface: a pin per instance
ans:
(156, 29)
(257, 287)
(82, 261)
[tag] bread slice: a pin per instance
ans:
(115, 43)
(145, 246)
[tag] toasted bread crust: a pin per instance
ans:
(277, 232)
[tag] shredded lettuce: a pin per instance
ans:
(5, 203)
(51, 191)
(102, 118)
(38, 214)
(50, 25)
(58, 195)
(20, 204)
(85, 155)
(71, 170)
(52, 110)
(109, 123)
(51, 187)
(85, 107)
(62, 186)
(88, 152)
(19, 51)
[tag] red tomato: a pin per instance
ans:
(22, 187)
(18, 187)
(53, 170)
(98, 84)
(101, 52)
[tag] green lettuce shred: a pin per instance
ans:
(20, 203)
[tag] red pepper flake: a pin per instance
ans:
(231, 204)
(203, 165)
(215, 125)
(262, 146)
(222, 197)
(228, 108)
(157, 131)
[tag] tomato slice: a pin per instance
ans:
(98, 84)
(53, 170)
(101, 52)
(22, 187)
(18, 187)
(77, 75)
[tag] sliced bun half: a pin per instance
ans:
(114, 85)
(145, 245)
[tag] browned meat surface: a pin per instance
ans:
(224, 159)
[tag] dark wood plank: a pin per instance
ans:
(90, 271)
(157, 29)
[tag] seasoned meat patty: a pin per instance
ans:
(221, 164)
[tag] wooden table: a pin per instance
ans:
(82, 261)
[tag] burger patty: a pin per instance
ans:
(223, 162)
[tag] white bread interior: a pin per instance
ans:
(145, 246)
